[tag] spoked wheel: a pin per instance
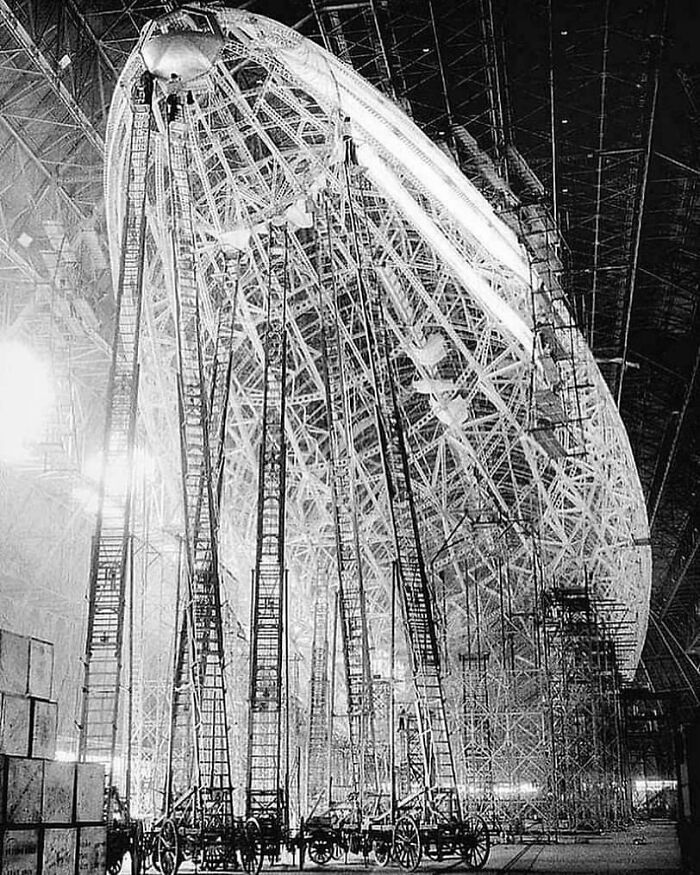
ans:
(408, 847)
(137, 848)
(382, 853)
(167, 848)
(321, 851)
(476, 842)
(252, 850)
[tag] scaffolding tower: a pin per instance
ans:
(588, 779)
(199, 692)
(351, 595)
(416, 597)
(102, 688)
(317, 774)
(266, 799)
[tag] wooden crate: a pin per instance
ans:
(59, 847)
(89, 792)
(59, 792)
(14, 725)
(43, 729)
(92, 850)
(14, 662)
(19, 853)
(40, 676)
(22, 790)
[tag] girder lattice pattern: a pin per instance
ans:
(268, 138)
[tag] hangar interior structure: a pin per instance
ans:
(348, 406)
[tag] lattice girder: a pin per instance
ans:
(269, 129)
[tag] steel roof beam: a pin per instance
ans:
(640, 204)
(13, 24)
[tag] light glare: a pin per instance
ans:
(26, 396)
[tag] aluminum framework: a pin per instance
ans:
(270, 124)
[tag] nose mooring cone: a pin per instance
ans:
(181, 56)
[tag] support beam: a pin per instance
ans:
(641, 202)
(12, 23)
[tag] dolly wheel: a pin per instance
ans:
(476, 842)
(408, 847)
(167, 847)
(320, 851)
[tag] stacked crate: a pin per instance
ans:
(51, 812)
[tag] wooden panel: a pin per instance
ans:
(23, 781)
(14, 662)
(44, 726)
(40, 669)
(14, 725)
(58, 851)
(59, 792)
(92, 850)
(20, 852)
(89, 792)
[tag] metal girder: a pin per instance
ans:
(13, 24)
(52, 148)
(667, 591)
(466, 415)
(26, 270)
(655, 498)
(651, 102)
(39, 163)
(686, 670)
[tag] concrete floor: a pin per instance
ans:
(647, 849)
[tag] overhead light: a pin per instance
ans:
(65, 61)
(25, 240)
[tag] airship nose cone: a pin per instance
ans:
(181, 56)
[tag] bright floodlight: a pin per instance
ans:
(26, 396)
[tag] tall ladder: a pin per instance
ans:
(220, 380)
(317, 769)
(108, 561)
(203, 644)
(179, 773)
(413, 585)
(410, 774)
(264, 797)
(352, 608)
